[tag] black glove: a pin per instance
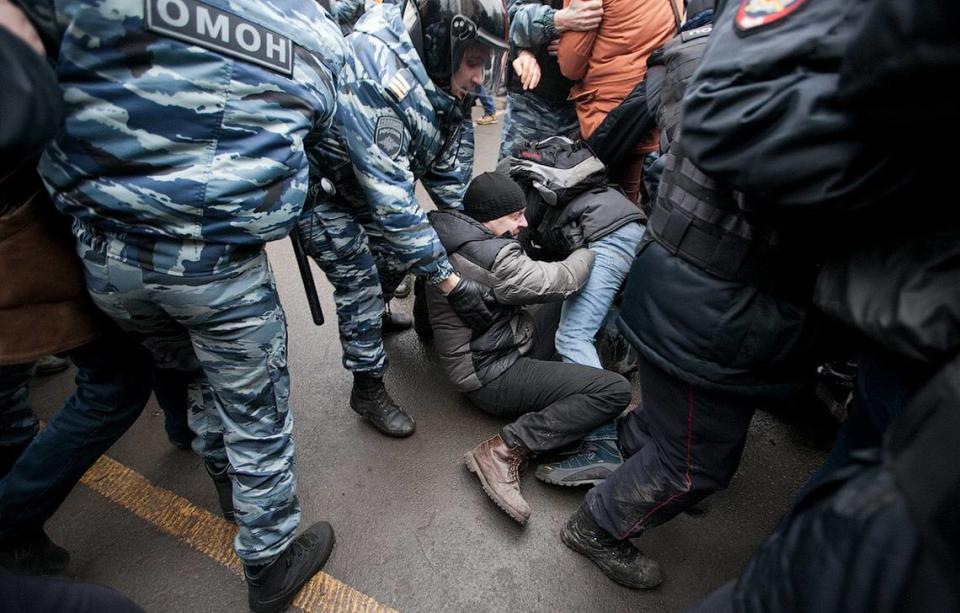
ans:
(570, 237)
(469, 299)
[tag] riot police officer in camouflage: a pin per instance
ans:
(539, 108)
(186, 147)
(399, 119)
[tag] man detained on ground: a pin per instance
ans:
(506, 369)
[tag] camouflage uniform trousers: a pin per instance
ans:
(350, 249)
(531, 118)
(227, 329)
(349, 246)
(18, 422)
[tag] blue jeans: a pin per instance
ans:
(113, 386)
(18, 423)
(486, 101)
(584, 312)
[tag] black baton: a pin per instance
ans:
(323, 190)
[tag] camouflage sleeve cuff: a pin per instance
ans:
(549, 25)
(444, 270)
(533, 26)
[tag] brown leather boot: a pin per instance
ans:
(498, 467)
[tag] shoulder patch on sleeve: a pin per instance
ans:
(755, 15)
(400, 85)
(389, 136)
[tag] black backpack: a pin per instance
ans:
(552, 172)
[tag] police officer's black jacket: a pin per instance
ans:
(472, 359)
(712, 298)
(830, 113)
(821, 117)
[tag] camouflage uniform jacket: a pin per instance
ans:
(347, 13)
(394, 126)
(189, 124)
(531, 23)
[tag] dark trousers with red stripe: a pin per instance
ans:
(682, 444)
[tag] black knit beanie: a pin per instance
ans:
(492, 195)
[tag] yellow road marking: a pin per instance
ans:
(210, 534)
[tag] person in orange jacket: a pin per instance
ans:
(608, 62)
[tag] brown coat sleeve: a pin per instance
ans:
(575, 51)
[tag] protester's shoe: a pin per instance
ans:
(405, 288)
(33, 554)
(596, 461)
(370, 399)
(272, 586)
(421, 315)
(487, 120)
(619, 560)
(221, 481)
(395, 322)
(498, 466)
(51, 365)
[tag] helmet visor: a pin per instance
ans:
(477, 58)
(477, 64)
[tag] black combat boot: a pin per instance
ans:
(618, 560)
(395, 322)
(370, 399)
(33, 554)
(221, 481)
(272, 586)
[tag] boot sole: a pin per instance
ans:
(386, 432)
(383, 431)
(475, 469)
(578, 483)
(574, 546)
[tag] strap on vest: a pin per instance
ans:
(697, 220)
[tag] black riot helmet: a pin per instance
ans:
(442, 30)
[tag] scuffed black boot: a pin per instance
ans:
(33, 554)
(619, 560)
(221, 481)
(370, 399)
(271, 587)
(395, 322)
